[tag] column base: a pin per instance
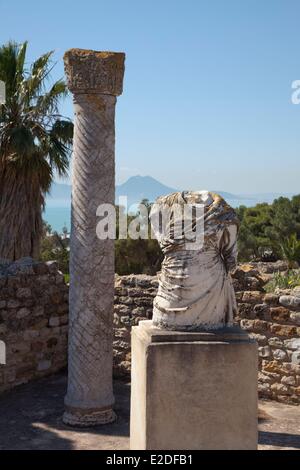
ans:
(193, 390)
(89, 417)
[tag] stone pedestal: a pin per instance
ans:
(193, 390)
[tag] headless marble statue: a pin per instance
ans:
(195, 289)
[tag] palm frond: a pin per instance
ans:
(8, 67)
(48, 102)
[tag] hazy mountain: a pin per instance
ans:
(139, 187)
(135, 188)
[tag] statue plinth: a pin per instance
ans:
(193, 390)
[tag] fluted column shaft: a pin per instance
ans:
(89, 399)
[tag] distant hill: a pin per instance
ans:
(139, 187)
(135, 188)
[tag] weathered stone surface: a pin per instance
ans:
(293, 343)
(95, 79)
(94, 71)
(296, 358)
(295, 317)
(44, 365)
(296, 291)
(195, 289)
(264, 389)
(290, 301)
(279, 314)
(174, 404)
(280, 389)
(276, 342)
(279, 354)
(283, 330)
(26, 325)
(13, 303)
(288, 380)
(272, 299)
(253, 297)
(264, 351)
(34, 328)
(54, 321)
(23, 293)
(260, 339)
(23, 312)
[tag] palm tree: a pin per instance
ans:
(35, 145)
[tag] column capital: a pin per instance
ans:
(99, 72)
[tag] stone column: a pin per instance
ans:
(95, 79)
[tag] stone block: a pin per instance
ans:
(23, 312)
(293, 344)
(23, 293)
(283, 330)
(193, 390)
(44, 365)
(253, 297)
(13, 303)
(280, 389)
(290, 301)
(276, 342)
(279, 355)
(288, 380)
(296, 358)
(264, 351)
(54, 321)
(295, 317)
(271, 299)
(279, 314)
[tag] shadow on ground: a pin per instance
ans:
(279, 439)
(31, 419)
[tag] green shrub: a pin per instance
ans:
(284, 280)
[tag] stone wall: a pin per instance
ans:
(33, 320)
(133, 302)
(34, 317)
(272, 319)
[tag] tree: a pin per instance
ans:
(270, 231)
(35, 144)
(140, 256)
(55, 247)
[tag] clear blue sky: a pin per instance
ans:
(207, 92)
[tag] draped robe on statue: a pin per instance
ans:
(195, 289)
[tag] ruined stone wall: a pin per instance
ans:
(33, 320)
(134, 296)
(34, 317)
(272, 319)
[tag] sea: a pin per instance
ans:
(58, 214)
(58, 211)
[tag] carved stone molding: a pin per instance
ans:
(94, 71)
